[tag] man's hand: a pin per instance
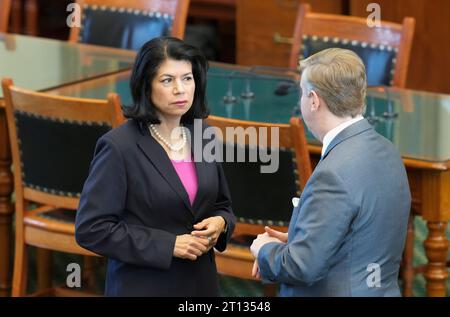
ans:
(255, 270)
(282, 236)
(261, 240)
(270, 235)
(210, 229)
(190, 247)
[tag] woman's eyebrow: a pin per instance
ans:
(169, 75)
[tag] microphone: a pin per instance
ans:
(9, 40)
(284, 87)
(386, 115)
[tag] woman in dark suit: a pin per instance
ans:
(147, 205)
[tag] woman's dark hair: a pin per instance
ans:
(149, 58)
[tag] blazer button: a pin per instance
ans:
(190, 227)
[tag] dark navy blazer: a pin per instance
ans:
(133, 206)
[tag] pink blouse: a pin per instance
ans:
(188, 176)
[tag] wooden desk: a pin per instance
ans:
(41, 64)
(420, 131)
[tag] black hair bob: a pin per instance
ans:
(149, 58)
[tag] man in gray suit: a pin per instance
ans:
(347, 233)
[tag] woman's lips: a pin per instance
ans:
(180, 103)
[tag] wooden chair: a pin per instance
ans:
(52, 141)
(384, 49)
(5, 7)
(128, 24)
(260, 199)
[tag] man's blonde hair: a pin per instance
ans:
(338, 76)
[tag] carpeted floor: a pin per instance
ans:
(233, 287)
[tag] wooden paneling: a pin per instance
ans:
(5, 6)
(430, 62)
(258, 20)
(222, 10)
(221, 14)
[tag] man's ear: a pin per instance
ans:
(315, 104)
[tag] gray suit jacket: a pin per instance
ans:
(347, 234)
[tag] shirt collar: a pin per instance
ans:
(330, 135)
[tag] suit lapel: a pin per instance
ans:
(156, 154)
(350, 131)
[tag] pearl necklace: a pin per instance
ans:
(174, 148)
